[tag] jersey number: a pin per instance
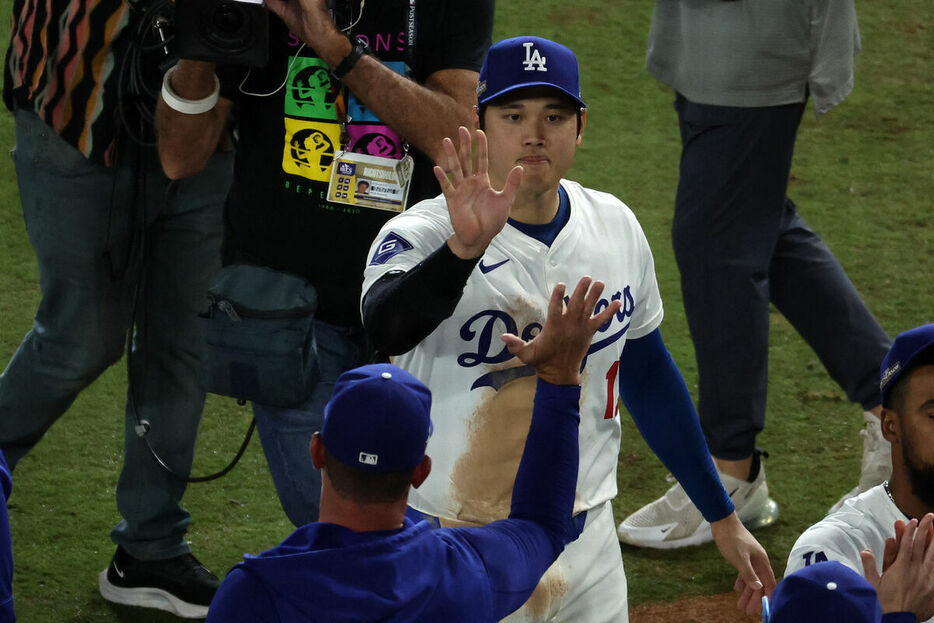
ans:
(818, 557)
(612, 406)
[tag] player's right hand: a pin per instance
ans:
(559, 348)
(478, 211)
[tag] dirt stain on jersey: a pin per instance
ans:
(482, 478)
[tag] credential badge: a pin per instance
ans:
(534, 61)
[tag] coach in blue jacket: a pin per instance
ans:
(365, 560)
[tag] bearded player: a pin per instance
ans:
(450, 275)
(869, 519)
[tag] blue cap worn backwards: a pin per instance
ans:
(521, 62)
(824, 592)
(378, 419)
(905, 348)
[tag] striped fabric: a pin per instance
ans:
(61, 66)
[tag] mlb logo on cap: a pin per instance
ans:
(522, 62)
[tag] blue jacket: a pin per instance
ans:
(327, 573)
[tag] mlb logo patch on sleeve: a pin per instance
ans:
(393, 244)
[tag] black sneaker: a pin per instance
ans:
(180, 585)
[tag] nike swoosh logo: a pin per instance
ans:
(117, 570)
(487, 268)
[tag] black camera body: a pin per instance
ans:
(223, 31)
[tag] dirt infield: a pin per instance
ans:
(713, 609)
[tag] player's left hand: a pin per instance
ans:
(743, 551)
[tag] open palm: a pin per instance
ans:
(478, 211)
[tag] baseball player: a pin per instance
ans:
(449, 275)
(365, 561)
(879, 514)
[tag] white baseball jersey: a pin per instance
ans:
(481, 394)
(865, 521)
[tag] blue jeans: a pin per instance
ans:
(100, 275)
(286, 433)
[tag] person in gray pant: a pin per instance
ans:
(743, 72)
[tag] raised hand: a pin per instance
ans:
(907, 583)
(559, 348)
(478, 211)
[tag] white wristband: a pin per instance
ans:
(188, 107)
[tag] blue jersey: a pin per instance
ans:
(325, 572)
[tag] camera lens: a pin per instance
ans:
(227, 20)
(227, 26)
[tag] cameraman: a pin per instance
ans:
(120, 248)
(293, 121)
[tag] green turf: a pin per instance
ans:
(862, 177)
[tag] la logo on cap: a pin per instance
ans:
(534, 61)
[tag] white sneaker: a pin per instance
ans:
(877, 460)
(673, 521)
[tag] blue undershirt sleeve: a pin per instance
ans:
(656, 396)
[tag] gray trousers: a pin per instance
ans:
(98, 276)
(741, 245)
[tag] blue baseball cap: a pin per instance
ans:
(824, 592)
(378, 419)
(522, 62)
(906, 347)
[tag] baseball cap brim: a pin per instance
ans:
(502, 93)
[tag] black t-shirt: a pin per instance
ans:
(277, 214)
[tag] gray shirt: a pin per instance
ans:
(752, 53)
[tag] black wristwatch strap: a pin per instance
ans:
(358, 49)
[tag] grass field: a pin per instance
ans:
(863, 177)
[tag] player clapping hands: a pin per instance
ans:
(907, 580)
